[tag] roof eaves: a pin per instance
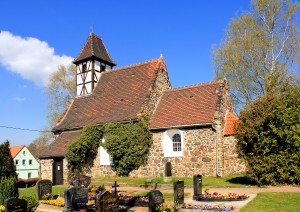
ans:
(182, 126)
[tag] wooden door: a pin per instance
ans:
(57, 172)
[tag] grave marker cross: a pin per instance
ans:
(115, 187)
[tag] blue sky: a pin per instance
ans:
(36, 36)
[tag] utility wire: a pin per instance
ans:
(17, 128)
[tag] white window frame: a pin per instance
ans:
(168, 143)
(105, 158)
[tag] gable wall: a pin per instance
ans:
(161, 84)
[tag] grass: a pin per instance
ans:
(227, 181)
(273, 202)
(56, 190)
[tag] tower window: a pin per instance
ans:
(102, 67)
(83, 68)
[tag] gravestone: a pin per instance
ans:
(43, 188)
(107, 202)
(15, 204)
(75, 198)
(155, 199)
(80, 180)
(179, 191)
(168, 169)
(197, 182)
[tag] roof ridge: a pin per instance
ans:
(133, 65)
(195, 85)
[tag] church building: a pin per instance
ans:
(192, 126)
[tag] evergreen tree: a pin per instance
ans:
(269, 137)
(7, 166)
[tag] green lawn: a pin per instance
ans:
(274, 202)
(56, 190)
(227, 181)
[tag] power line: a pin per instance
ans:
(24, 129)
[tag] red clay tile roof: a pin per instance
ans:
(231, 120)
(58, 148)
(119, 96)
(14, 150)
(94, 47)
(193, 105)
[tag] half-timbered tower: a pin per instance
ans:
(91, 61)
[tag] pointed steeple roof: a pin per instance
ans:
(94, 48)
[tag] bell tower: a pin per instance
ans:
(91, 61)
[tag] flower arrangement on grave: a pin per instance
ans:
(55, 202)
(2, 208)
(216, 207)
(177, 206)
(47, 196)
(142, 199)
(206, 190)
(224, 196)
(163, 208)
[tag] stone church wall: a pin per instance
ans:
(199, 157)
(46, 168)
(232, 163)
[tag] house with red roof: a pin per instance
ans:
(27, 166)
(192, 126)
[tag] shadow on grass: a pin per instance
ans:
(242, 180)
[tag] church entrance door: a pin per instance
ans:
(57, 171)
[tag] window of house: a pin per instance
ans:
(173, 143)
(105, 158)
(23, 162)
(24, 153)
(17, 162)
(29, 175)
(30, 162)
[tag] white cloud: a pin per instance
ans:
(29, 57)
(19, 99)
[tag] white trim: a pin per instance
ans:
(105, 158)
(168, 143)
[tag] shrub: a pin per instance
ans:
(128, 145)
(32, 203)
(269, 138)
(82, 152)
(8, 188)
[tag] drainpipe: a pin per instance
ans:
(217, 152)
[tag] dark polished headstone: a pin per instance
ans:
(168, 169)
(197, 182)
(155, 199)
(179, 191)
(80, 180)
(75, 198)
(15, 205)
(43, 187)
(107, 202)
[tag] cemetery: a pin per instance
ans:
(84, 197)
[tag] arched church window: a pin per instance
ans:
(176, 143)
